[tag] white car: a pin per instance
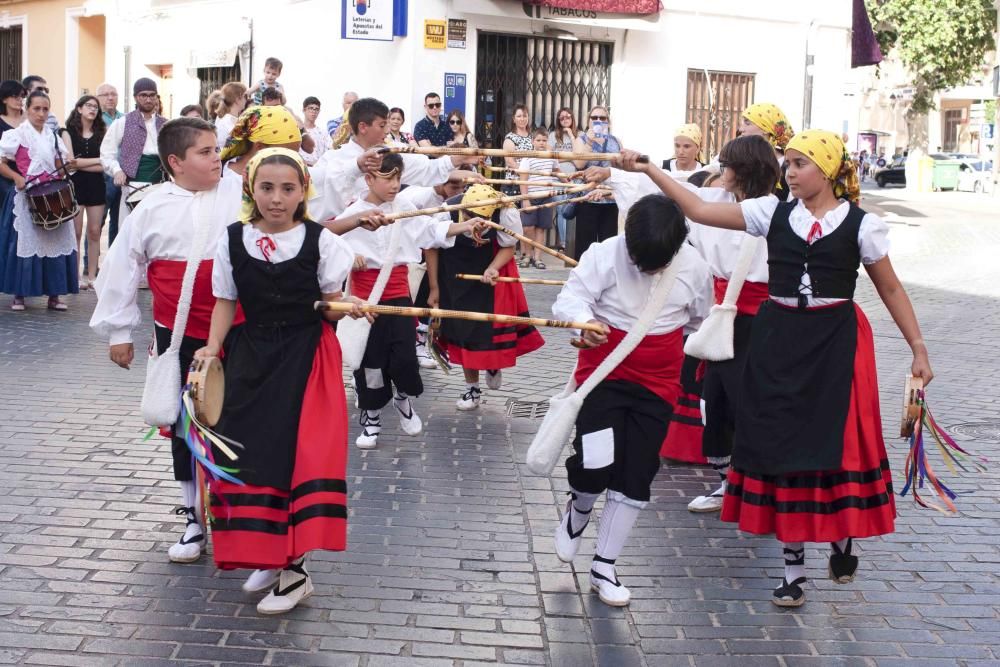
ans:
(975, 176)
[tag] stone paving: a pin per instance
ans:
(451, 560)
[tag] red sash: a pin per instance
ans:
(398, 286)
(165, 277)
(654, 364)
(750, 298)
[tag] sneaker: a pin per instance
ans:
(611, 592)
(423, 356)
(17, 304)
(470, 399)
(188, 548)
(370, 428)
(567, 540)
(261, 580)
(409, 420)
(494, 379)
(56, 304)
(294, 586)
(712, 503)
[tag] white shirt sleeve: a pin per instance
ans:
(223, 284)
(510, 218)
(9, 143)
(428, 232)
(335, 180)
(335, 262)
(110, 145)
(587, 281)
(421, 170)
(628, 188)
(873, 238)
(703, 297)
(117, 313)
(757, 214)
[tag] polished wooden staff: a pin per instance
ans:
(553, 204)
(561, 175)
(505, 279)
(534, 244)
(498, 201)
(344, 307)
(503, 181)
(562, 156)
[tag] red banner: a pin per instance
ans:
(606, 6)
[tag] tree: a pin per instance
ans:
(943, 43)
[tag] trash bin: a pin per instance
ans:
(945, 174)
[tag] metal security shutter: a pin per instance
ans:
(10, 53)
(213, 78)
(715, 104)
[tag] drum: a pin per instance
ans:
(911, 405)
(52, 203)
(137, 191)
(207, 386)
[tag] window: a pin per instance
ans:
(953, 118)
(10, 53)
(715, 103)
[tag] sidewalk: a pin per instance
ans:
(450, 559)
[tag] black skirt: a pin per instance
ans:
(469, 295)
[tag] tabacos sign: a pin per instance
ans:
(539, 12)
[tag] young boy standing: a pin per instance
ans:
(538, 222)
(155, 241)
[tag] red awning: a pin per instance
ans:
(607, 6)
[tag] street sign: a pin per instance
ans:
(454, 92)
(434, 34)
(367, 20)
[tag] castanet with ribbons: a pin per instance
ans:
(534, 244)
(562, 156)
(407, 311)
(507, 279)
(561, 175)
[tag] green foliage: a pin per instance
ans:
(942, 42)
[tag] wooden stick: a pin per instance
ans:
(505, 279)
(504, 181)
(534, 244)
(562, 156)
(552, 204)
(561, 175)
(344, 307)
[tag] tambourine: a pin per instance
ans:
(208, 384)
(911, 406)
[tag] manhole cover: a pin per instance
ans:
(981, 431)
(527, 409)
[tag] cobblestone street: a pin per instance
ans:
(450, 559)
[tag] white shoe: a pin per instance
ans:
(567, 540)
(612, 593)
(470, 399)
(494, 379)
(294, 585)
(261, 580)
(423, 356)
(409, 420)
(712, 503)
(370, 428)
(188, 548)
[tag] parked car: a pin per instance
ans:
(975, 176)
(895, 173)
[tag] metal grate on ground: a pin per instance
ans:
(527, 409)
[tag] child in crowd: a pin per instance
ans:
(536, 223)
(272, 70)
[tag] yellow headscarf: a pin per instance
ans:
(271, 125)
(693, 132)
(247, 207)
(481, 192)
(772, 121)
(827, 150)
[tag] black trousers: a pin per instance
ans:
(594, 223)
(390, 359)
(183, 471)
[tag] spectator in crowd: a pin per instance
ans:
(212, 103)
(193, 111)
(33, 82)
(429, 130)
(82, 135)
(321, 140)
(395, 125)
(12, 96)
(561, 139)
(518, 139)
(596, 220)
(461, 136)
(108, 96)
(272, 70)
(230, 106)
(350, 97)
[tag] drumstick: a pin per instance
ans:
(561, 175)
(504, 181)
(562, 156)
(534, 244)
(552, 204)
(344, 307)
(505, 279)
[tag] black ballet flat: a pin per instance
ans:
(843, 566)
(789, 594)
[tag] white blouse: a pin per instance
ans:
(418, 233)
(335, 258)
(427, 197)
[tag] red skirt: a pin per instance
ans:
(508, 341)
(267, 528)
(683, 441)
(855, 500)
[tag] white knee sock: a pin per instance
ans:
(617, 520)
(189, 492)
(794, 571)
(582, 505)
(721, 465)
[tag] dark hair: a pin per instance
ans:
(366, 110)
(193, 107)
(37, 93)
(75, 120)
(271, 93)
(560, 133)
(540, 131)
(30, 80)
(755, 168)
(300, 210)
(513, 112)
(698, 178)
(399, 111)
(11, 88)
(178, 135)
(429, 96)
(392, 161)
(273, 63)
(654, 231)
(311, 100)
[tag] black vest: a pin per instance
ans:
(283, 293)
(832, 261)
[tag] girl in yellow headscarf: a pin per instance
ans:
(809, 463)
(769, 121)
(256, 128)
(688, 155)
(284, 398)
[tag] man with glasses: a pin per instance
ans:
(107, 95)
(321, 140)
(430, 131)
(33, 82)
(129, 152)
